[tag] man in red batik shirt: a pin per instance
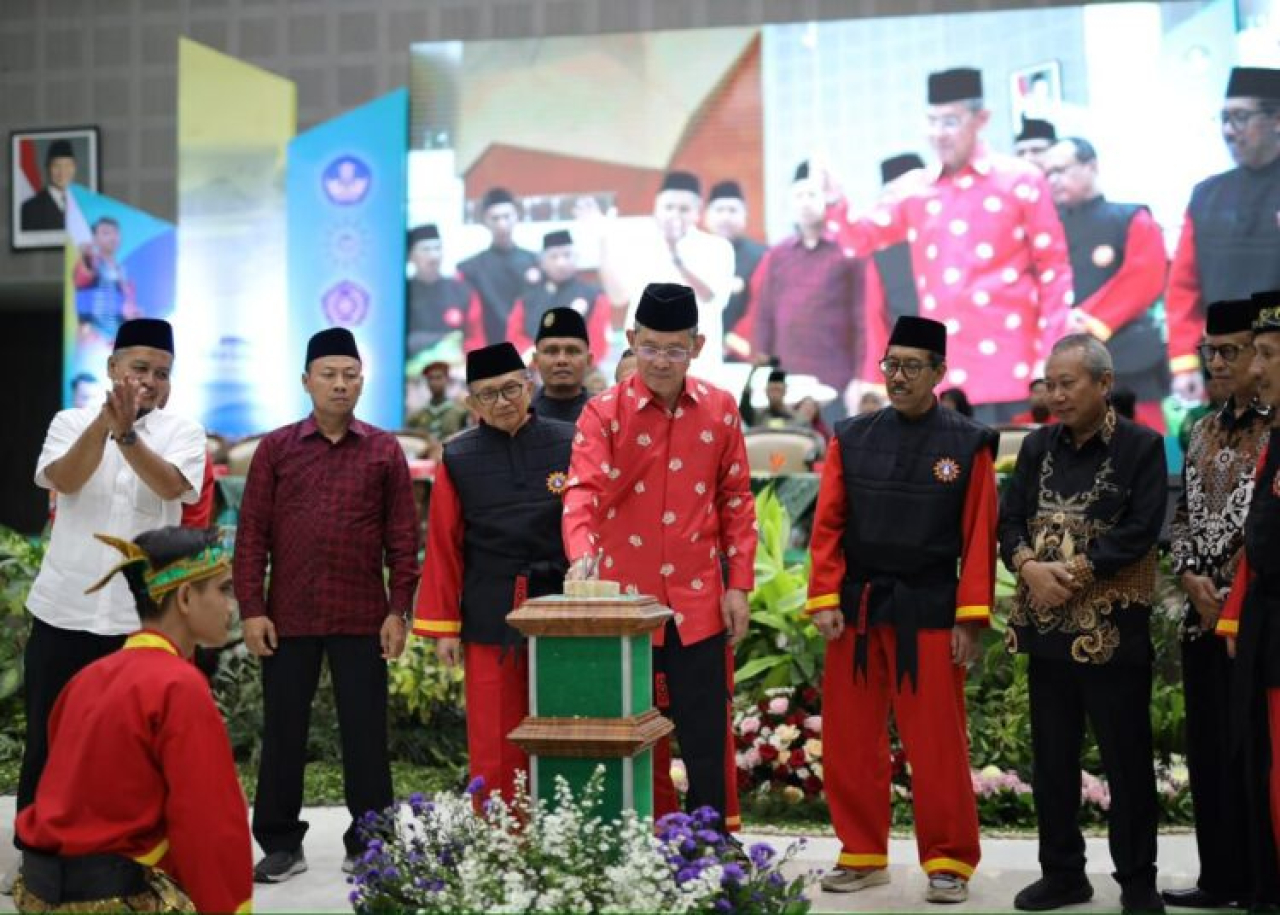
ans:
(987, 249)
(329, 503)
(908, 497)
(659, 490)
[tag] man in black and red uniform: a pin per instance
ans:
(1230, 242)
(493, 540)
(904, 540)
(438, 305)
(501, 271)
(559, 287)
(1118, 265)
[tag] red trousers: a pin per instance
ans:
(665, 798)
(497, 691)
(855, 749)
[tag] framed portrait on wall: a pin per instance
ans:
(42, 165)
(1035, 92)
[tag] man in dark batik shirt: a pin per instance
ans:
(1078, 527)
(1208, 542)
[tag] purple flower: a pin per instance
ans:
(353, 897)
(476, 785)
(733, 873)
(685, 874)
(711, 837)
(760, 854)
(723, 905)
(776, 879)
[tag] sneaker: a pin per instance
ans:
(279, 866)
(349, 863)
(946, 888)
(9, 878)
(849, 880)
(1054, 892)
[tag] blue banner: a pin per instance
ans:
(346, 192)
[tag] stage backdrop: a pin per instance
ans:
(119, 265)
(346, 194)
(235, 122)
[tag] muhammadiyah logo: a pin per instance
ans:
(947, 470)
(557, 482)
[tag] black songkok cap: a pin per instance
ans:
(336, 341)
(1254, 82)
(1266, 311)
(897, 166)
(1036, 129)
(726, 190)
(562, 322)
(428, 232)
(1230, 316)
(777, 375)
(682, 181)
(150, 332)
(802, 172)
(492, 361)
(58, 149)
(556, 239)
(667, 307)
(920, 333)
(495, 196)
(956, 85)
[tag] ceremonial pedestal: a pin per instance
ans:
(591, 695)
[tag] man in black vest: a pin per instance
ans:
(1034, 140)
(562, 357)
(493, 540)
(500, 272)
(907, 497)
(1230, 242)
(1078, 527)
(726, 216)
(438, 305)
(560, 286)
(1118, 264)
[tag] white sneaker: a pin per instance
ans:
(848, 880)
(947, 888)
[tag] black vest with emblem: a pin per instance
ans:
(905, 482)
(898, 281)
(499, 276)
(511, 492)
(1236, 219)
(1097, 230)
(539, 298)
(435, 309)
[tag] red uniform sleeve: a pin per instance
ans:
(1051, 263)
(1138, 283)
(736, 506)
(825, 543)
(515, 329)
(598, 326)
(200, 514)
(210, 852)
(739, 341)
(875, 325)
(253, 533)
(1183, 303)
(1229, 619)
(592, 450)
(438, 611)
(977, 589)
(400, 532)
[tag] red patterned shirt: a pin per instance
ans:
(660, 494)
(329, 517)
(991, 262)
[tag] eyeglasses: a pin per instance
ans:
(910, 369)
(1239, 118)
(1229, 352)
(670, 353)
(509, 392)
(945, 121)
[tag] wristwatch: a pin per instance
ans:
(129, 438)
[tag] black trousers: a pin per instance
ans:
(289, 680)
(693, 678)
(52, 657)
(1116, 699)
(1217, 779)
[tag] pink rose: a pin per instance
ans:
(814, 723)
(778, 705)
(749, 725)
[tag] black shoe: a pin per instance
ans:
(279, 866)
(1141, 899)
(1054, 892)
(1193, 898)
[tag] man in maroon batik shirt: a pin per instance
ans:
(328, 501)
